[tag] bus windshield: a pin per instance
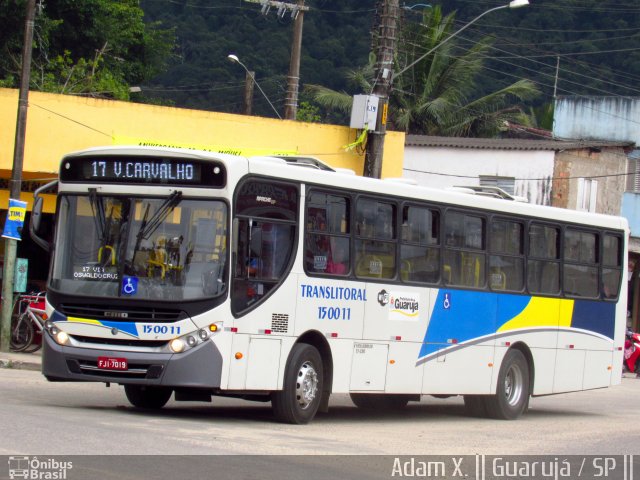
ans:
(144, 248)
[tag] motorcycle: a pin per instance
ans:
(631, 361)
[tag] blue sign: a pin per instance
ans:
(129, 285)
(15, 219)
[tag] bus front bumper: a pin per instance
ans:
(199, 367)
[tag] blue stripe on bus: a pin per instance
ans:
(468, 315)
(461, 316)
(599, 317)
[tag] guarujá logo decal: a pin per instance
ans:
(402, 305)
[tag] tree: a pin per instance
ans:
(435, 96)
(98, 47)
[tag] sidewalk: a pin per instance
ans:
(23, 361)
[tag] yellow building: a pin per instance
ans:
(58, 124)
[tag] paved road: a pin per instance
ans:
(71, 419)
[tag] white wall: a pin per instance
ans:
(533, 170)
(602, 118)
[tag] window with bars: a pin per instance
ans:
(633, 180)
(505, 183)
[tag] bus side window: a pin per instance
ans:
(375, 243)
(419, 250)
(543, 271)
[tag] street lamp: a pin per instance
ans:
(235, 59)
(512, 4)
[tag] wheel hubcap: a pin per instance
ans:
(513, 385)
(306, 385)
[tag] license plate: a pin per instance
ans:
(111, 363)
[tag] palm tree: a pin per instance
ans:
(435, 96)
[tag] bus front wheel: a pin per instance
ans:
(147, 397)
(512, 393)
(300, 397)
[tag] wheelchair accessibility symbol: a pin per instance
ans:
(129, 285)
(446, 303)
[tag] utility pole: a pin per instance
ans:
(10, 245)
(555, 83)
(293, 80)
(248, 92)
(385, 51)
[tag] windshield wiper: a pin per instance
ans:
(149, 226)
(97, 207)
(103, 223)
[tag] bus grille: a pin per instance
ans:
(120, 341)
(115, 314)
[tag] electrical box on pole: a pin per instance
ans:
(364, 112)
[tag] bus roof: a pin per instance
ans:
(312, 171)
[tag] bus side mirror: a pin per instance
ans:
(36, 229)
(35, 225)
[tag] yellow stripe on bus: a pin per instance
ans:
(84, 320)
(542, 312)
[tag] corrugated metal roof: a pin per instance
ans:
(507, 143)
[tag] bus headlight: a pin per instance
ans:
(193, 339)
(177, 345)
(61, 337)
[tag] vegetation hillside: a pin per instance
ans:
(176, 50)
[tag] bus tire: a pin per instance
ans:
(512, 393)
(141, 396)
(371, 401)
(300, 397)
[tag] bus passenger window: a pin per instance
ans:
(506, 262)
(464, 257)
(375, 244)
(611, 266)
(580, 272)
(326, 241)
(420, 252)
(543, 267)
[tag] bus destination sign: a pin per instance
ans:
(142, 170)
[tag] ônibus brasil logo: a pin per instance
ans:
(38, 469)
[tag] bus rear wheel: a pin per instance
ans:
(512, 393)
(370, 401)
(300, 397)
(147, 397)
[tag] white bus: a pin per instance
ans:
(280, 279)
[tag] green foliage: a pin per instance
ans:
(542, 117)
(308, 113)
(436, 94)
(335, 39)
(91, 47)
(63, 75)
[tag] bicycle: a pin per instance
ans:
(27, 323)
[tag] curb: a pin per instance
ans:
(19, 365)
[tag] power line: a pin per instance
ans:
(544, 179)
(585, 64)
(70, 119)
